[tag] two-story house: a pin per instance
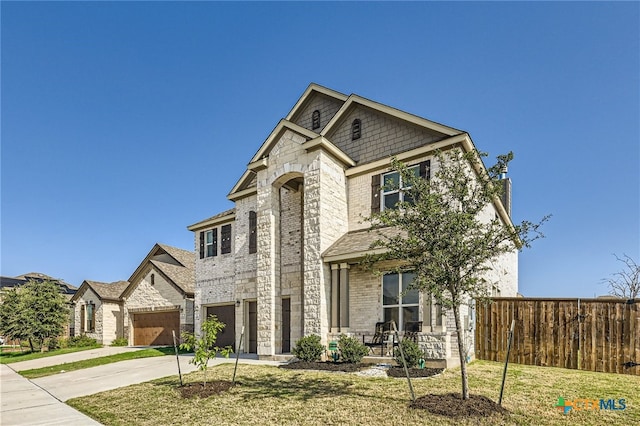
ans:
(285, 261)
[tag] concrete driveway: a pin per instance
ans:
(41, 401)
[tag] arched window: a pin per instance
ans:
(355, 129)
(153, 279)
(315, 120)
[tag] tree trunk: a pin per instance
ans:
(31, 344)
(463, 361)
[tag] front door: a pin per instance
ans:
(253, 327)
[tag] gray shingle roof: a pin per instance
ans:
(354, 245)
(111, 291)
(182, 276)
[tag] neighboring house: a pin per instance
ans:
(156, 301)
(285, 261)
(9, 283)
(98, 310)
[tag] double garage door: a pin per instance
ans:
(154, 329)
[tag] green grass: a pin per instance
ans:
(93, 362)
(268, 395)
(7, 357)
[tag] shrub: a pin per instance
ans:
(120, 341)
(308, 348)
(81, 341)
(351, 349)
(412, 353)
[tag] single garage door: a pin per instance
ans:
(154, 329)
(227, 315)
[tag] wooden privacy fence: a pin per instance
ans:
(586, 334)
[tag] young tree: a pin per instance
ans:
(442, 238)
(204, 346)
(35, 311)
(626, 283)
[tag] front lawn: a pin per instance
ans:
(269, 395)
(9, 355)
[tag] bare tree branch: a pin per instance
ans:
(625, 283)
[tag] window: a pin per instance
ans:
(91, 317)
(315, 120)
(394, 190)
(208, 243)
(225, 239)
(356, 128)
(399, 303)
(253, 235)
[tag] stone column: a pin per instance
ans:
(344, 297)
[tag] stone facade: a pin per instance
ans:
(310, 188)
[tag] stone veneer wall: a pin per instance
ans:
(145, 297)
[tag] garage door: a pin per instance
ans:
(154, 329)
(227, 315)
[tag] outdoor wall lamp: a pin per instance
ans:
(237, 303)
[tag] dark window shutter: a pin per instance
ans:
(215, 241)
(375, 194)
(225, 239)
(425, 169)
(202, 245)
(253, 236)
(82, 319)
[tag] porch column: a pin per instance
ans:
(335, 297)
(344, 296)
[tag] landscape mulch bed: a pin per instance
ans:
(414, 372)
(345, 367)
(452, 405)
(214, 387)
(352, 368)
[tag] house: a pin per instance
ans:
(98, 310)
(68, 290)
(284, 262)
(154, 302)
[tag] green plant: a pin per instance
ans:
(412, 353)
(203, 346)
(351, 349)
(308, 348)
(120, 341)
(81, 341)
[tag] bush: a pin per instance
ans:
(412, 353)
(351, 349)
(120, 341)
(308, 348)
(81, 341)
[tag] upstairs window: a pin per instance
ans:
(398, 302)
(253, 232)
(356, 129)
(208, 243)
(388, 189)
(315, 120)
(394, 189)
(225, 239)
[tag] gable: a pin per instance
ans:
(327, 107)
(382, 135)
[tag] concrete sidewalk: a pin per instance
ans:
(41, 401)
(24, 403)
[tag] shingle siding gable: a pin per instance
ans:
(382, 136)
(327, 106)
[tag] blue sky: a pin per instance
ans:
(123, 123)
